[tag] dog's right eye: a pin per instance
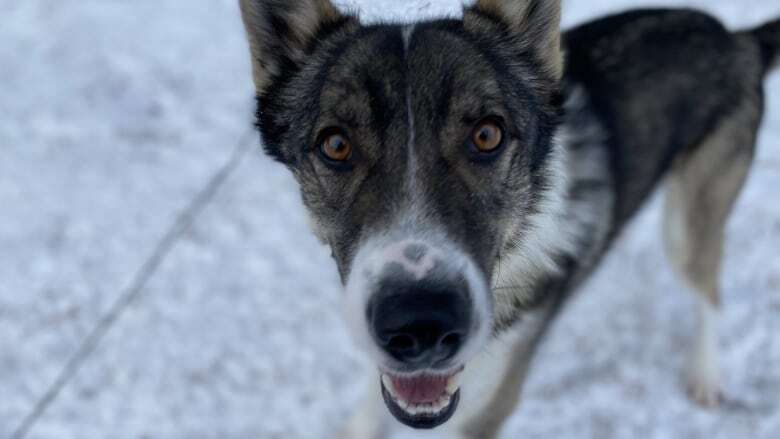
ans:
(487, 136)
(486, 139)
(335, 148)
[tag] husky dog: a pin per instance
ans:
(469, 173)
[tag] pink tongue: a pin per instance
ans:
(421, 389)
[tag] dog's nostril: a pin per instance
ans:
(451, 340)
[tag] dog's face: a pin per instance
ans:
(422, 151)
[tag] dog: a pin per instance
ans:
(468, 174)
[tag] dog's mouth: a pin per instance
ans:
(422, 400)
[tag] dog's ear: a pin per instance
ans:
(535, 22)
(279, 32)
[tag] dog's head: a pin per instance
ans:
(424, 152)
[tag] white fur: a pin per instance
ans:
(482, 376)
(406, 34)
(545, 237)
(561, 221)
(370, 419)
(588, 161)
(704, 378)
(419, 269)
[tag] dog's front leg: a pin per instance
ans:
(369, 419)
(492, 383)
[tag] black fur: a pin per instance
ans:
(660, 80)
(768, 37)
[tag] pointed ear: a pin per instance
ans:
(279, 32)
(536, 22)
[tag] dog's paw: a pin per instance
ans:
(704, 390)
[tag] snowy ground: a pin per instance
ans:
(114, 114)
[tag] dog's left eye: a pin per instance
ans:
(335, 147)
(487, 137)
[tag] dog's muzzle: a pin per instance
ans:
(422, 310)
(421, 324)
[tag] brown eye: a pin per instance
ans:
(487, 136)
(336, 147)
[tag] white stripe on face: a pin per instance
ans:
(415, 257)
(407, 34)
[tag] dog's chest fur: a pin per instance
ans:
(574, 228)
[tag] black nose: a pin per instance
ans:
(420, 327)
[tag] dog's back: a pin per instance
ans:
(662, 81)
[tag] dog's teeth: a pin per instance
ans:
(444, 401)
(452, 387)
(425, 409)
(453, 383)
(388, 383)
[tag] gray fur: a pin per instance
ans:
(535, 24)
(279, 32)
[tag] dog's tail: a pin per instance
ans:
(768, 37)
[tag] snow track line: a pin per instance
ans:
(131, 293)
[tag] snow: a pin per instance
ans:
(115, 114)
